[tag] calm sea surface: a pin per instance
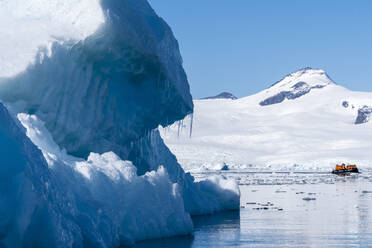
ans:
(288, 210)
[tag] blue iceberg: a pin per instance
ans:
(83, 161)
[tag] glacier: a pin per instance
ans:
(313, 131)
(86, 96)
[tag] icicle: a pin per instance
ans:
(166, 130)
(191, 123)
(153, 136)
(183, 125)
(179, 128)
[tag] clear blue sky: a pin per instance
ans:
(243, 46)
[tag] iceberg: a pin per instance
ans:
(83, 162)
(97, 202)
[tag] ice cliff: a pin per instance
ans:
(91, 87)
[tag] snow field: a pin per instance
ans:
(312, 132)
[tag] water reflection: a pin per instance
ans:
(230, 219)
(222, 227)
(179, 242)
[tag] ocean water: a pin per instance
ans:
(288, 210)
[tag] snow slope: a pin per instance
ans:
(314, 128)
(91, 81)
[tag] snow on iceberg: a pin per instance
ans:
(41, 23)
(91, 101)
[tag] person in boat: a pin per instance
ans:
(340, 169)
(352, 168)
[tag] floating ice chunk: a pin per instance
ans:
(226, 192)
(366, 192)
(309, 199)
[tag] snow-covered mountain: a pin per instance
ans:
(304, 121)
(296, 85)
(223, 95)
(87, 83)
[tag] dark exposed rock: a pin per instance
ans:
(225, 167)
(299, 89)
(278, 98)
(309, 199)
(299, 85)
(345, 104)
(363, 115)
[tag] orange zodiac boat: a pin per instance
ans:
(342, 169)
